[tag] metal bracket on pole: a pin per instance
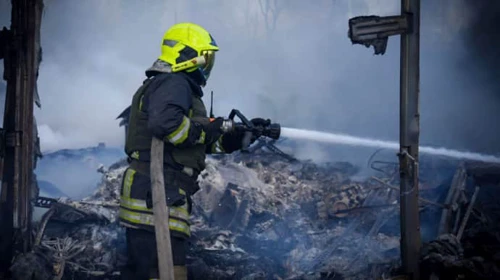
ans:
(404, 156)
(375, 31)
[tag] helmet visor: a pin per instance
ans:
(209, 63)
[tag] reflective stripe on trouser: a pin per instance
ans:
(180, 273)
(140, 205)
(134, 212)
(147, 219)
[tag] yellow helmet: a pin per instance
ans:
(185, 41)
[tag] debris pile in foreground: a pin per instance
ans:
(259, 216)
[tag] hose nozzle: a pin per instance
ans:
(272, 131)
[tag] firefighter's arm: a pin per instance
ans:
(233, 141)
(168, 111)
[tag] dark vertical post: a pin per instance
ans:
(21, 60)
(409, 139)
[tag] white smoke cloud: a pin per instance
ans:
(305, 73)
(51, 140)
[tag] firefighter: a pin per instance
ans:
(168, 106)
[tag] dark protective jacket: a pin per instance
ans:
(165, 107)
(168, 106)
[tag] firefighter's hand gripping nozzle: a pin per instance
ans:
(272, 130)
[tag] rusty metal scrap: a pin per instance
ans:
(44, 202)
(420, 199)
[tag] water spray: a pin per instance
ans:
(337, 138)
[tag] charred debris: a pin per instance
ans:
(267, 215)
(264, 216)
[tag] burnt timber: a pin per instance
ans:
(21, 53)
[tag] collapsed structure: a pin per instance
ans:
(269, 216)
(256, 218)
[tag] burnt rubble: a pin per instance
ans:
(266, 216)
(469, 247)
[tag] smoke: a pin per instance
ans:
(74, 172)
(303, 72)
(483, 41)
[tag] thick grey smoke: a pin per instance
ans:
(304, 72)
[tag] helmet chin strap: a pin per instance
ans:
(189, 64)
(197, 63)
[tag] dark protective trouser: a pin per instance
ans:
(142, 256)
(136, 214)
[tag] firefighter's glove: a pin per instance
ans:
(232, 141)
(213, 130)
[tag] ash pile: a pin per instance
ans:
(259, 216)
(78, 239)
(269, 216)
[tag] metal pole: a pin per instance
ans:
(409, 140)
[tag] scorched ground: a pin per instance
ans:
(265, 216)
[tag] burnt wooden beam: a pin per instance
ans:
(4, 39)
(21, 61)
(456, 187)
